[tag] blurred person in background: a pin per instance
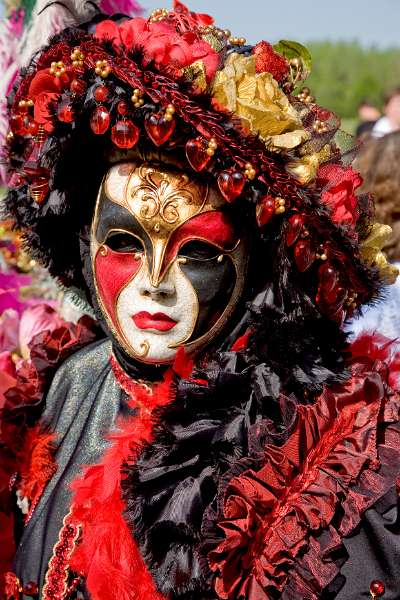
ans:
(368, 115)
(391, 120)
(378, 163)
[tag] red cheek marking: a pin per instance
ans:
(112, 272)
(213, 227)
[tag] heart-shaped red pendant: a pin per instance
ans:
(196, 153)
(158, 128)
(231, 184)
(265, 210)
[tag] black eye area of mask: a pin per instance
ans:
(123, 242)
(199, 250)
(195, 249)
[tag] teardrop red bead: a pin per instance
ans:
(196, 153)
(100, 120)
(231, 184)
(304, 255)
(295, 225)
(158, 128)
(125, 134)
(328, 277)
(265, 210)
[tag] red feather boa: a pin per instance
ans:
(107, 555)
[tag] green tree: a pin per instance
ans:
(346, 73)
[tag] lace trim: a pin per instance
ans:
(56, 581)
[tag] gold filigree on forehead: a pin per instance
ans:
(162, 200)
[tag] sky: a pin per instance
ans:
(371, 22)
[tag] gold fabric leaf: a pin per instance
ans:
(196, 73)
(371, 252)
(305, 169)
(259, 102)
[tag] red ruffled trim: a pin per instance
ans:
(342, 456)
(107, 556)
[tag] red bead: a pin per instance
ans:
(39, 189)
(32, 128)
(158, 128)
(196, 153)
(125, 134)
(377, 588)
(328, 277)
(265, 210)
(65, 113)
(31, 589)
(336, 298)
(231, 184)
(101, 93)
(122, 107)
(100, 120)
(78, 87)
(304, 255)
(295, 225)
(17, 124)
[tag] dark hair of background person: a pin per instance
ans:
(379, 165)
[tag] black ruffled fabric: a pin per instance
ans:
(215, 429)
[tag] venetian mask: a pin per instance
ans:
(169, 265)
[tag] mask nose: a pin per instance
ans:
(163, 291)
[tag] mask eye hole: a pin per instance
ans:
(199, 250)
(123, 242)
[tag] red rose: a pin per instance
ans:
(199, 18)
(161, 44)
(339, 185)
(269, 61)
(108, 31)
(134, 32)
(46, 90)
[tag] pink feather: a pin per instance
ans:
(126, 7)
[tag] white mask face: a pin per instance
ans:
(168, 264)
(155, 321)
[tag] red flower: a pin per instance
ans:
(340, 184)
(269, 61)
(134, 32)
(161, 44)
(108, 31)
(199, 18)
(46, 90)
